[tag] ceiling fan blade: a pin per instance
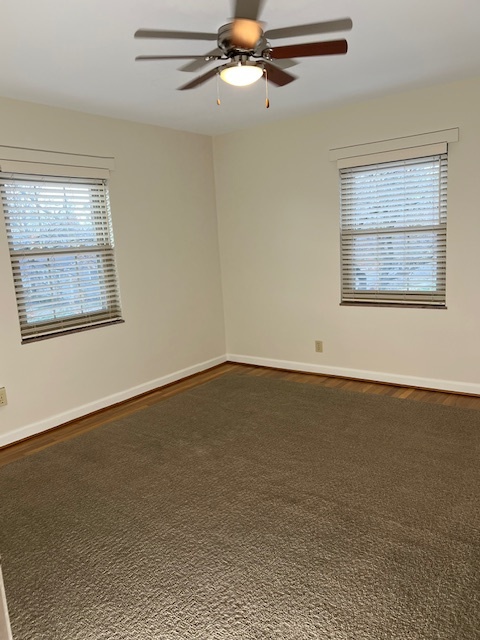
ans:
(333, 47)
(174, 35)
(198, 63)
(344, 24)
(197, 58)
(285, 63)
(199, 80)
(278, 76)
(248, 9)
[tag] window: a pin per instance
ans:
(393, 232)
(61, 249)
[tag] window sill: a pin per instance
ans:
(397, 305)
(69, 331)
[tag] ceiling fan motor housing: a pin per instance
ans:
(227, 44)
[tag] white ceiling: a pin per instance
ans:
(79, 54)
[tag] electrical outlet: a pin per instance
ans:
(3, 397)
(318, 346)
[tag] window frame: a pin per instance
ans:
(354, 296)
(100, 219)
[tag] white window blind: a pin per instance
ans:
(393, 232)
(62, 253)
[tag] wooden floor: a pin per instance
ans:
(76, 427)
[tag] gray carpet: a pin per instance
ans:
(250, 508)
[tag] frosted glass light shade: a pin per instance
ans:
(241, 75)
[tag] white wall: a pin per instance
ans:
(278, 208)
(277, 201)
(163, 206)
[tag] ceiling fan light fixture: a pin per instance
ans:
(241, 75)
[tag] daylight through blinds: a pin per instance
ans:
(61, 248)
(393, 232)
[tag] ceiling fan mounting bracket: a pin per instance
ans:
(267, 54)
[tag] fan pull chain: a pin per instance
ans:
(267, 100)
(219, 102)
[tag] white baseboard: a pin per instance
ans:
(375, 376)
(108, 401)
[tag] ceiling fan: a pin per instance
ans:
(245, 48)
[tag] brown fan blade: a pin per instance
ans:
(278, 76)
(344, 24)
(175, 35)
(330, 48)
(170, 58)
(199, 80)
(285, 63)
(249, 9)
(198, 64)
(246, 33)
